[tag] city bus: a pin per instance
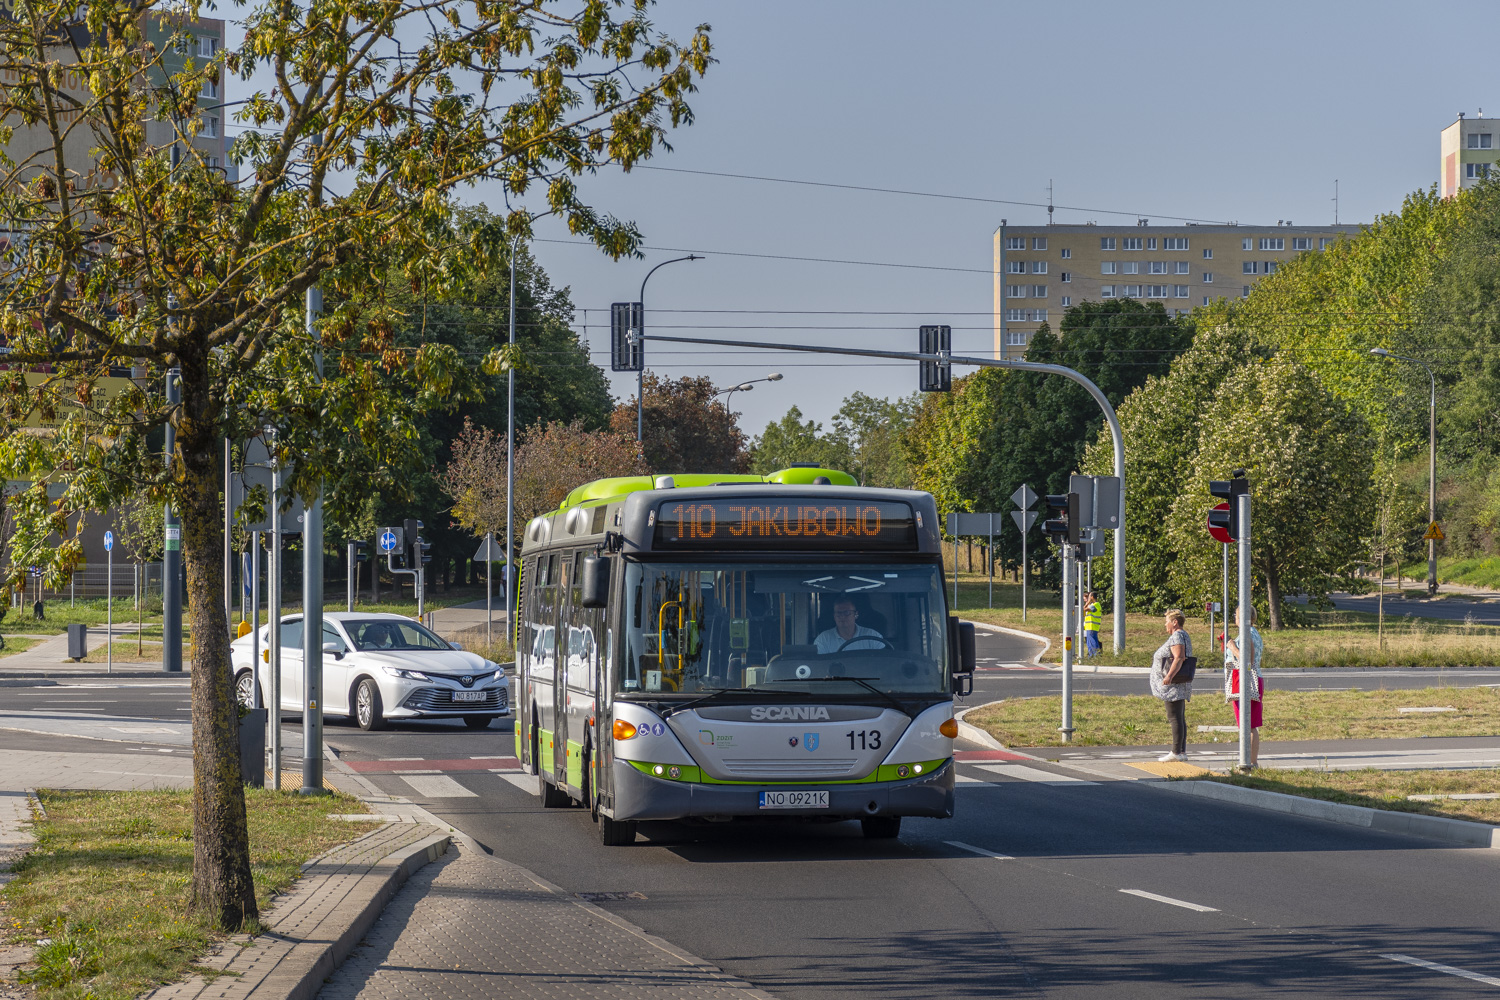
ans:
(722, 647)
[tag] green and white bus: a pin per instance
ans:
(717, 647)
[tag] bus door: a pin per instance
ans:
(583, 656)
(542, 665)
(566, 602)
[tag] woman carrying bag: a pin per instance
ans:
(1172, 669)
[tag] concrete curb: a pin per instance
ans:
(1452, 831)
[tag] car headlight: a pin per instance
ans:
(411, 675)
(499, 674)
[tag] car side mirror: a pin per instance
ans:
(595, 581)
(335, 649)
(456, 645)
(961, 636)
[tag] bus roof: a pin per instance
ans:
(603, 490)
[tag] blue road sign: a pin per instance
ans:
(388, 541)
(109, 541)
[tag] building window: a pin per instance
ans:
(1039, 291)
(1479, 140)
(1477, 169)
(1015, 267)
(1183, 267)
(1065, 277)
(1159, 267)
(1015, 338)
(1015, 243)
(1106, 291)
(1174, 243)
(1205, 300)
(1039, 243)
(1179, 291)
(1208, 277)
(1272, 243)
(1130, 267)
(1039, 267)
(1247, 244)
(1157, 291)
(1132, 291)
(1132, 242)
(210, 89)
(1208, 253)
(207, 46)
(1014, 315)
(1066, 254)
(1324, 242)
(1271, 266)
(1301, 242)
(1038, 315)
(210, 127)
(1015, 291)
(1245, 293)
(1067, 300)
(212, 161)
(1151, 243)
(1108, 267)
(1106, 243)
(1249, 267)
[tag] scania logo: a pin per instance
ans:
(789, 713)
(466, 681)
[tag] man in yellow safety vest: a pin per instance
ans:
(1091, 616)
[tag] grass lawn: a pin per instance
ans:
(1332, 639)
(125, 649)
(1136, 720)
(107, 884)
(14, 644)
(1387, 789)
(60, 614)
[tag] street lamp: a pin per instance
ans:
(640, 333)
(746, 387)
(1381, 352)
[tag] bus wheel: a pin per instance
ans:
(881, 827)
(616, 833)
(552, 796)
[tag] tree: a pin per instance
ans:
(554, 460)
(872, 429)
(1310, 459)
(789, 440)
(352, 168)
(686, 428)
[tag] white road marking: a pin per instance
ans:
(964, 779)
(525, 782)
(438, 786)
(1033, 774)
(1169, 900)
(402, 758)
(978, 850)
(1448, 969)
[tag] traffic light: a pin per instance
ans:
(1228, 490)
(625, 354)
(425, 550)
(935, 376)
(1064, 525)
(412, 527)
(361, 551)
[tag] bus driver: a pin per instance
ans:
(845, 627)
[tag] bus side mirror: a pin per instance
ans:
(595, 581)
(961, 635)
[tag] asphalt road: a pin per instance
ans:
(1483, 611)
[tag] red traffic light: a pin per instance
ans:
(1220, 532)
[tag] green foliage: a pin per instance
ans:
(686, 427)
(790, 440)
(865, 441)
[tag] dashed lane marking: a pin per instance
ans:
(978, 850)
(1170, 901)
(525, 782)
(1422, 963)
(1025, 773)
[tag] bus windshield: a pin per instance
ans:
(696, 628)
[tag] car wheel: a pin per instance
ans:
(881, 827)
(478, 721)
(615, 832)
(244, 688)
(368, 711)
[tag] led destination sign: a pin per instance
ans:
(744, 523)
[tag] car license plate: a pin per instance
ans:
(794, 800)
(469, 695)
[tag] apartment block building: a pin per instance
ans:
(1042, 270)
(1469, 151)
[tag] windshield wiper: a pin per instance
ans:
(863, 682)
(670, 710)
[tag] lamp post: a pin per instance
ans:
(728, 393)
(640, 376)
(1381, 352)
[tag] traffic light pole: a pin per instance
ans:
(1247, 648)
(1116, 436)
(1067, 630)
(353, 568)
(312, 604)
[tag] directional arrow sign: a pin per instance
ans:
(388, 541)
(1024, 518)
(1023, 498)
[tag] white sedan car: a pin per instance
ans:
(378, 667)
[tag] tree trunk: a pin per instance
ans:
(1273, 595)
(221, 884)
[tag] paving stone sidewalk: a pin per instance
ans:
(472, 925)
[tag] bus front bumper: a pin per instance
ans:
(641, 797)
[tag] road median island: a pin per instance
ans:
(1138, 720)
(101, 900)
(1392, 791)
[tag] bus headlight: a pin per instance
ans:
(949, 729)
(624, 730)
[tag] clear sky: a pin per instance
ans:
(1159, 108)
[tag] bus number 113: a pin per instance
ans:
(867, 741)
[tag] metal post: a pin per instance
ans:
(352, 580)
(989, 558)
(1432, 584)
(1025, 572)
(73, 591)
(109, 609)
(256, 700)
(640, 375)
(273, 618)
(955, 572)
(312, 602)
(510, 475)
(1067, 630)
(1225, 605)
(489, 607)
(171, 560)
(1247, 648)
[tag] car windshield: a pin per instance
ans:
(374, 635)
(698, 628)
